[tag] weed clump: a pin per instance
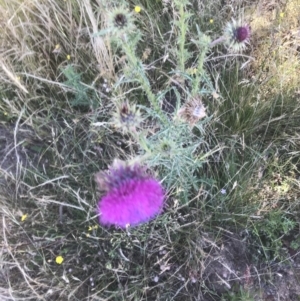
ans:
(165, 85)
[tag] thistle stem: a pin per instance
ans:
(217, 41)
(135, 63)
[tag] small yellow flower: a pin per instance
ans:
(92, 227)
(23, 218)
(68, 57)
(192, 71)
(281, 14)
(211, 21)
(57, 49)
(5, 113)
(59, 259)
(137, 9)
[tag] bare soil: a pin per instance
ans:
(233, 267)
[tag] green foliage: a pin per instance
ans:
(270, 231)
(79, 90)
(174, 152)
(240, 108)
(295, 244)
(182, 25)
(241, 295)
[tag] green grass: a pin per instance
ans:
(63, 76)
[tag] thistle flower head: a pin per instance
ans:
(167, 147)
(127, 117)
(237, 35)
(132, 197)
(120, 21)
(192, 111)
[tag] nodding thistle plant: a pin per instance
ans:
(123, 32)
(174, 146)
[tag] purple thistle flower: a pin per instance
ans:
(132, 197)
(237, 35)
(242, 33)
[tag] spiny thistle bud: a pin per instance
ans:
(167, 147)
(132, 197)
(127, 117)
(237, 35)
(192, 111)
(120, 21)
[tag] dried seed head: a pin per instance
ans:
(127, 117)
(192, 111)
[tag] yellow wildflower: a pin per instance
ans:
(57, 49)
(59, 259)
(281, 14)
(92, 227)
(211, 21)
(192, 71)
(137, 9)
(23, 218)
(68, 57)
